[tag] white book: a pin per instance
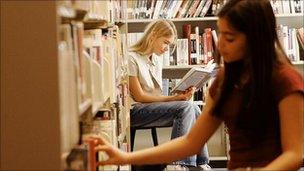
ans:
(215, 38)
(292, 7)
(199, 8)
(197, 44)
(298, 6)
(196, 77)
(295, 47)
(178, 5)
(182, 52)
(286, 7)
(171, 9)
(276, 6)
(205, 8)
(157, 9)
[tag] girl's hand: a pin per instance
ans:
(115, 156)
(186, 95)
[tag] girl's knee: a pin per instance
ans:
(188, 108)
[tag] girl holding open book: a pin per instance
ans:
(257, 94)
(148, 106)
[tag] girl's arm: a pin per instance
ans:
(140, 96)
(291, 121)
(172, 150)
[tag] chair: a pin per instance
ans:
(153, 133)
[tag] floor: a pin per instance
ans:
(143, 139)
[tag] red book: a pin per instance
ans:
(208, 44)
(187, 34)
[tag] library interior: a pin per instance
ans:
(97, 85)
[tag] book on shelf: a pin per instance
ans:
(67, 89)
(201, 44)
(182, 52)
(153, 9)
(290, 39)
(300, 38)
(196, 77)
(287, 6)
(79, 158)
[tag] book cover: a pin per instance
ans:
(196, 77)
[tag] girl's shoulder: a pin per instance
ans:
(216, 83)
(287, 72)
(134, 55)
(286, 80)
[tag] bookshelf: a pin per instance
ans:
(136, 23)
(63, 78)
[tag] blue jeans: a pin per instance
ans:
(181, 114)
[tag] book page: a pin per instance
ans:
(192, 80)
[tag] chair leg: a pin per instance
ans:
(154, 136)
(132, 136)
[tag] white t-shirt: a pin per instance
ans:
(148, 72)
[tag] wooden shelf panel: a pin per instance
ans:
(289, 15)
(298, 63)
(217, 158)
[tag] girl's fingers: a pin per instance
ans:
(104, 148)
(101, 163)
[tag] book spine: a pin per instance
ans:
(186, 34)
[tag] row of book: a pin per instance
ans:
(196, 48)
(84, 156)
(105, 124)
(287, 6)
(292, 40)
(109, 10)
(153, 9)
(201, 45)
(105, 48)
(93, 71)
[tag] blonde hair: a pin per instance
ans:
(154, 30)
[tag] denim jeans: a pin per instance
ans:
(181, 114)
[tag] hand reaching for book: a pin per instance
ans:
(186, 95)
(114, 155)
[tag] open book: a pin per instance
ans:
(196, 77)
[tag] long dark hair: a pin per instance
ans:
(254, 18)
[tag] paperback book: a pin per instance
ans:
(196, 77)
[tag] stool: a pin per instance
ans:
(153, 133)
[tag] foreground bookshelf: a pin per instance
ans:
(54, 92)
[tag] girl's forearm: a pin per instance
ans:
(170, 151)
(289, 160)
